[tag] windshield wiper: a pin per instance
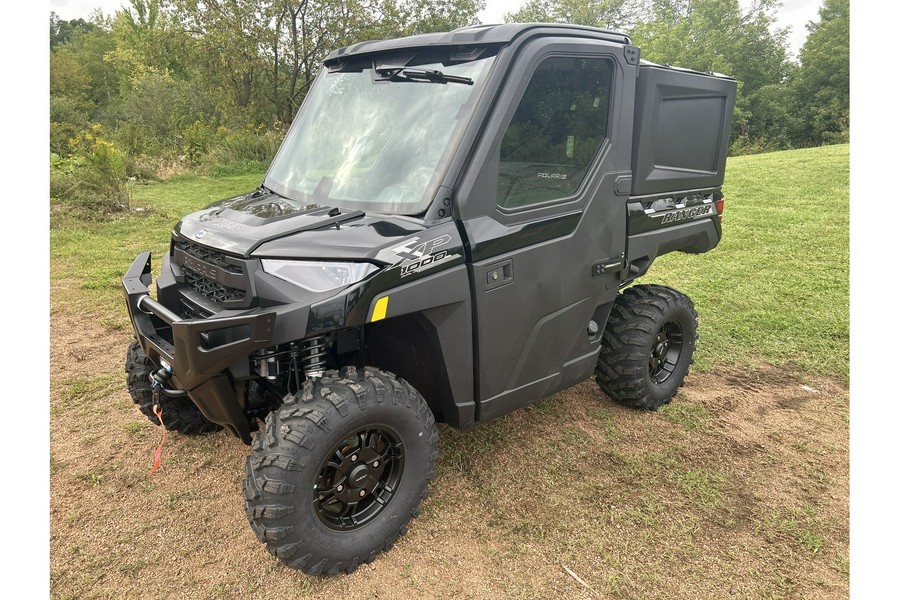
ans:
(432, 75)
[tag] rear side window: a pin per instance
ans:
(555, 134)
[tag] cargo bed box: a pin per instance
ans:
(682, 120)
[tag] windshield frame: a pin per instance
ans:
(369, 64)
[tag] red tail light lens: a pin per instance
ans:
(720, 206)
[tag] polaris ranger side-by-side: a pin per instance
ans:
(442, 236)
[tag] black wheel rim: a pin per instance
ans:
(359, 478)
(666, 351)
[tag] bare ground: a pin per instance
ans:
(739, 489)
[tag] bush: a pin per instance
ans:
(248, 149)
(135, 139)
(141, 168)
(197, 140)
(744, 145)
(93, 177)
(156, 112)
(66, 120)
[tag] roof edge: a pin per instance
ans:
(475, 35)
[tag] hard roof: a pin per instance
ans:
(476, 35)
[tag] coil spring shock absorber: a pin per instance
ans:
(312, 356)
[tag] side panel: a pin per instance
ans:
(422, 331)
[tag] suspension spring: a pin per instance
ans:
(312, 356)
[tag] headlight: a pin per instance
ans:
(318, 276)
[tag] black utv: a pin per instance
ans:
(449, 231)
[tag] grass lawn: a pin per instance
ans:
(738, 489)
(777, 288)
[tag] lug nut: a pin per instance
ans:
(353, 458)
(375, 465)
(340, 488)
(362, 493)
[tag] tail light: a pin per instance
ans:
(720, 206)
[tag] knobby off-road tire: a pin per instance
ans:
(647, 347)
(340, 469)
(179, 414)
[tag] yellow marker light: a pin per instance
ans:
(380, 310)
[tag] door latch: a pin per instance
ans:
(610, 265)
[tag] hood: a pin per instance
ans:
(268, 225)
(241, 224)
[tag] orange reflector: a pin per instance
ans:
(720, 206)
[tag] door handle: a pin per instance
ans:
(498, 274)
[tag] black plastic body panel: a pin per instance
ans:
(692, 237)
(200, 350)
(681, 128)
(426, 337)
(476, 35)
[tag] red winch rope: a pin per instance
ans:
(158, 412)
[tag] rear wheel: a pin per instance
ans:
(340, 469)
(179, 414)
(647, 347)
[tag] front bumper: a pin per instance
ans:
(200, 349)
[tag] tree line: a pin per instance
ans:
(781, 103)
(167, 85)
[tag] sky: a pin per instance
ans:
(794, 13)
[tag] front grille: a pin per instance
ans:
(210, 256)
(212, 290)
(220, 278)
(187, 311)
(191, 308)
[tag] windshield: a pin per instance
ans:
(376, 138)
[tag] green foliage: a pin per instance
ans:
(67, 77)
(770, 124)
(93, 177)
(606, 14)
(822, 86)
(183, 83)
(61, 31)
(90, 49)
(67, 119)
(719, 36)
(424, 16)
(155, 111)
(197, 140)
(242, 151)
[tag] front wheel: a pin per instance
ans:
(340, 469)
(647, 346)
(179, 414)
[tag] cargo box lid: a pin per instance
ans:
(682, 123)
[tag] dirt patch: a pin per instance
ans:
(739, 489)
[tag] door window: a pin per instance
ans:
(555, 134)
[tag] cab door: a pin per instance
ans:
(545, 218)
